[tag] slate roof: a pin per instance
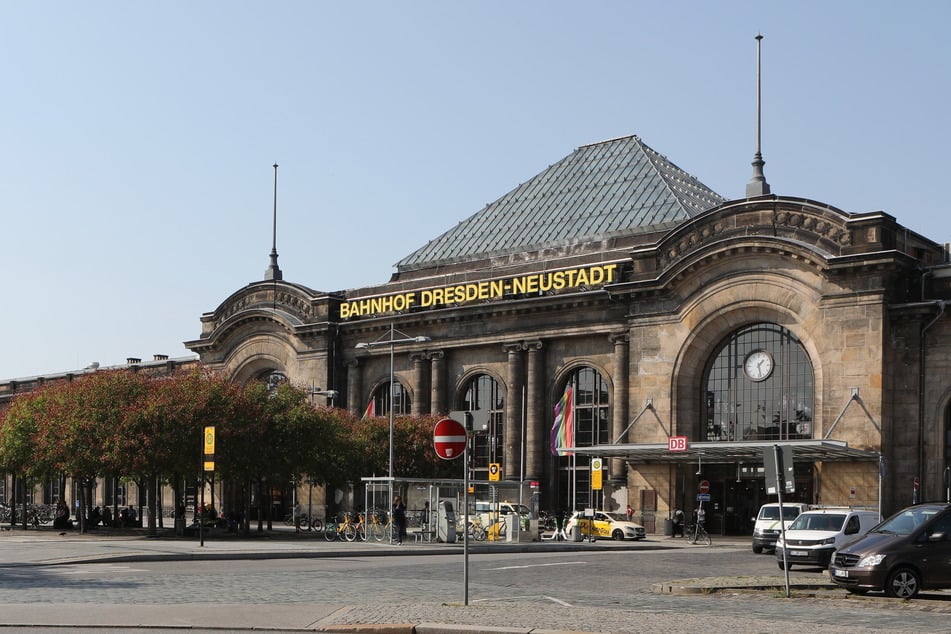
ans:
(599, 191)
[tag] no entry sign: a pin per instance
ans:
(449, 439)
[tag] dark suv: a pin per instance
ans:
(908, 552)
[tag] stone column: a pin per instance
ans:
(620, 419)
(354, 387)
(535, 413)
(422, 394)
(439, 400)
(512, 452)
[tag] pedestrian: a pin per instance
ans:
(630, 512)
(678, 523)
(399, 519)
(298, 515)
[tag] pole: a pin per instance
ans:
(782, 520)
(392, 391)
(465, 516)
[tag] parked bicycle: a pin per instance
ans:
(697, 534)
(346, 530)
(379, 525)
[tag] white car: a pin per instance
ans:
(613, 525)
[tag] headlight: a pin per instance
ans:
(826, 542)
(757, 531)
(870, 561)
(779, 543)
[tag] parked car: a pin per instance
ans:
(908, 552)
(766, 527)
(815, 535)
(613, 525)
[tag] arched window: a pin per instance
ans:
(483, 393)
(273, 379)
(381, 399)
(759, 385)
(591, 425)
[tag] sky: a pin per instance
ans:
(137, 138)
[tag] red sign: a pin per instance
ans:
(676, 443)
(449, 439)
(704, 486)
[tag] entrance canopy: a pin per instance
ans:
(717, 452)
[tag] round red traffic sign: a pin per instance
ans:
(449, 439)
(704, 486)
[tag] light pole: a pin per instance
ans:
(316, 391)
(391, 342)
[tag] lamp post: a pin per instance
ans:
(317, 391)
(391, 342)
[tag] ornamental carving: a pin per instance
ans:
(267, 299)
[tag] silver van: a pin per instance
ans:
(815, 535)
(766, 526)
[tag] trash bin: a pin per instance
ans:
(668, 527)
(576, 532)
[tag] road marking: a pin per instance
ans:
(526, 597)
(95, 569)
(561, 563)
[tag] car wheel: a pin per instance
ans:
(779, 563)
(618, 535)
(757, 549)
(903, 583)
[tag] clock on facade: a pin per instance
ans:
(758, 365)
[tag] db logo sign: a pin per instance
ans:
(676, 443)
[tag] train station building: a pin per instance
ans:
(686, 334)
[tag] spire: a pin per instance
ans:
(757, 185)
(273, 271)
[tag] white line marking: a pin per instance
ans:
(561, 563)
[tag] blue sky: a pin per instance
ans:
(137, 139)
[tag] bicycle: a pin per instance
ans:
(379, 525)
(696, 533)
(345, 530)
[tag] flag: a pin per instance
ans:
(563, 429)
(370, 411)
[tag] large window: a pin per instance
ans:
(591, 423)
(483, 393)
(382, 398)
(759, 385)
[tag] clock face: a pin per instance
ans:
(758, 365)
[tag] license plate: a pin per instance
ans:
(840, 573)
(798, 553)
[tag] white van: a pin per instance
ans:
(816, 534)
(766, 527)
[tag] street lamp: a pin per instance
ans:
(391, 342)
(316, 391)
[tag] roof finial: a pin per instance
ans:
(273, 271)
(758, 185)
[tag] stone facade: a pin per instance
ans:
(856, 291)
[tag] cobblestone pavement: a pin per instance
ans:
(748, 605)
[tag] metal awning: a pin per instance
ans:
(716, 452)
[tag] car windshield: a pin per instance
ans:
(905, 522)
(772, 513)
(818, 522)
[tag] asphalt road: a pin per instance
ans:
(581, 589)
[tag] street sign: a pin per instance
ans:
(449, 439)
(596, 466)
(480, 418)
(703, 497)
(495, 469)
(704, 486)
(676, 443)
